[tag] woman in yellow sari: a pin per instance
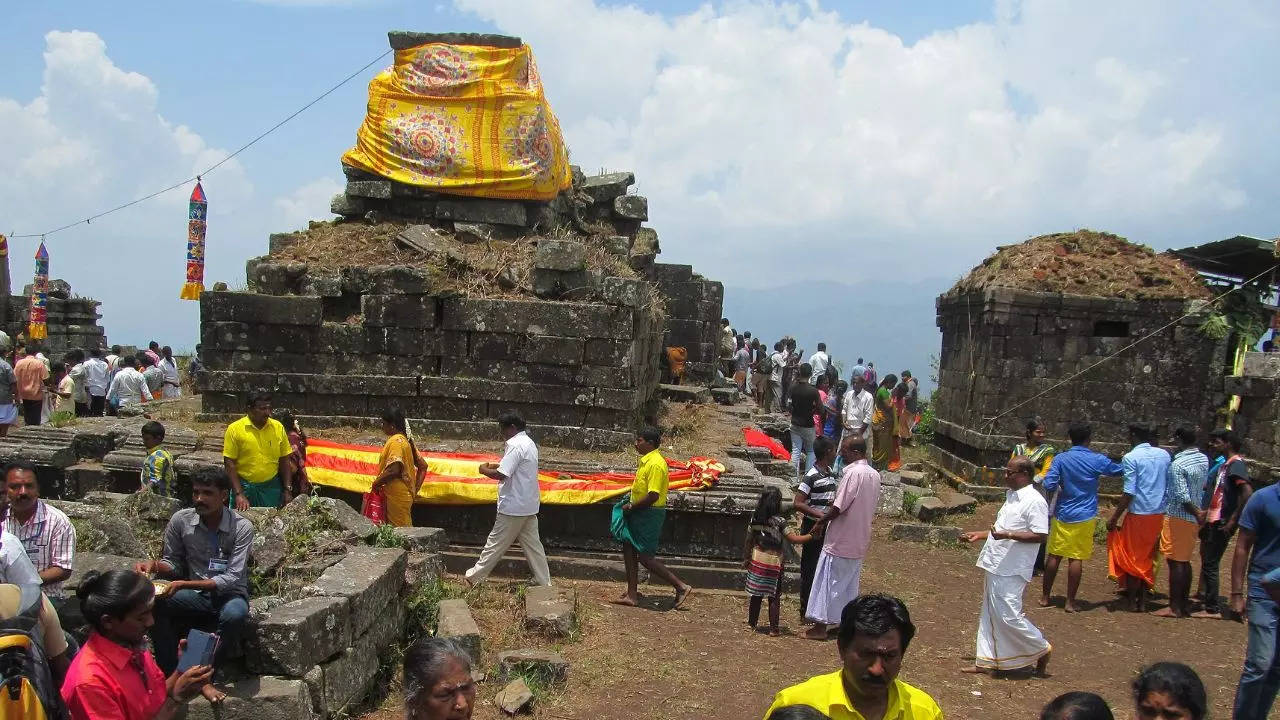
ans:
(400, 469)
(882, 423)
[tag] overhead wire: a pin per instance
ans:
(198, 176)
(990, 422)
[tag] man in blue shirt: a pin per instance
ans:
(1258, 548)
(1131, 547)
(1073, 472)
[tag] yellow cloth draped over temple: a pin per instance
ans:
(463, 119)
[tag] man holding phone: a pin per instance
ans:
(206, 553)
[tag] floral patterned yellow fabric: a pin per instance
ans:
(466, 120)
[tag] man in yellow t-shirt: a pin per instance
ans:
(875, 631)
(638, 518)
(256, 452)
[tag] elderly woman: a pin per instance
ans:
(437, 681)
(400, 469)
(114, 675)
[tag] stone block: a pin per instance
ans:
(601, 351)
(562, 255)
(604, 188)
(471, 233)
(558, 285)
(784, 469)
(684, 393)
(422, 569)
(368, 577)
(533, 317)
(646, 242)
(377, 189)
(914, 477)
(552, 350)
(456, 622)
(663, 273)
(423, 539)
(631, 207)
(321, 285)
(617, 245)
(934, 534)
(352, 523)
(624, 291)
(496, 212)
(386, 279)
(399, 311)
(546, 664)
(930, 508)
(890, 501)
(412, 208)
(293, 638)
(257, 698)
(348, 205)
(725, 395)
(515, 698)
(262, 309)
(551, 610)
(83, 562)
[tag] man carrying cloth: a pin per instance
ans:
(1131, 547)
(1006, 639)
(638, 518)
(255, 451)
(1076, 471)
(1182, 518)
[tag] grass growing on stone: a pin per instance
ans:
(387, 537)
(308, 536)
(909, 501)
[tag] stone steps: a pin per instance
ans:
(684, 393)
(712, 574)
(948, 503)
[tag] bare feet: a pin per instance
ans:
(1206, 615)
(627, 599)
(1072, 607)
(212, 694)
(974, 670)
(681, 596)
(1168, 612)
(774, 632)
(1042, 665)
(817, 632)
(1045, 601)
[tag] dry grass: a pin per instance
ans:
(1086, 262)
(491, 268)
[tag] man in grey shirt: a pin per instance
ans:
(206, 553)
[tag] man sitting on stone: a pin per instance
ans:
(206, 554)
(46, 532)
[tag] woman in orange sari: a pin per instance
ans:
(400, 469)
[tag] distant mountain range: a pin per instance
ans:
(890, 324)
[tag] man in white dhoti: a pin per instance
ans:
(846, 525)
(1006, 639)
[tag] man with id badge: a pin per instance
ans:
(202, 578)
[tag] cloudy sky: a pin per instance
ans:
(863, 143)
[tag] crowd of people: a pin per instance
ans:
(882, 411)
(80, 383)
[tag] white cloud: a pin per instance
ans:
(309, 202)
(765, 134)
(93, 139)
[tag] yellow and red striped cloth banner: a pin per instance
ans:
(455, 479)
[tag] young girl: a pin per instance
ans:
(298, 456)
(766, 539)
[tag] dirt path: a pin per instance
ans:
(654, 663)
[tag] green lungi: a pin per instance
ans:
(639, 528)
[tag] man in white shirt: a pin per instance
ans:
(1006, 638)
(856, 410)
(778, 361)
(97, 380)
(819, 361)
(518, 503)
(128, 387)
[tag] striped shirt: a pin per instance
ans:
(1187, 475)
(49, 539)
(820, 486)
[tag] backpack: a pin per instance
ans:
(26, 685)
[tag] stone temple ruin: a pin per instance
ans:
(455, 307)
(1037, 313)
(72, 322)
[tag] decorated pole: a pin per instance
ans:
(197, 209)
(38, 329)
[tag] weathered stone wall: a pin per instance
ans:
(1258, 420)
(1001, 347)
(72, 322)
(371, 338)
(694, 309)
